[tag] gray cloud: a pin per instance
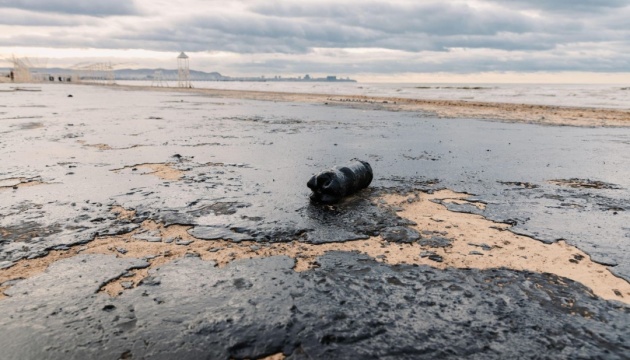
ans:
(566, 6)
(544, 62)
(293, 30)
(439, 18)
(507, 35)
(90, 7)
(28, 18)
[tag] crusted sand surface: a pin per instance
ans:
(163, 171)
(475, 242)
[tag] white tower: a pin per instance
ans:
(183, 71)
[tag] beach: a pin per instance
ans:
(180, 218)
(616, 115)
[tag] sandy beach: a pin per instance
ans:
(182, 214)
(300, 180)
(525, 113)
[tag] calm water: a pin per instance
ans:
(597, 96)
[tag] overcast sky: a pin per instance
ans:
(374, 40)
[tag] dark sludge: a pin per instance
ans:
(330, 186)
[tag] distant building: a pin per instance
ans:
(331, 78)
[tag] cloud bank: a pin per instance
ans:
(93, 8)
(346, 37)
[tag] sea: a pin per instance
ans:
(586, 95)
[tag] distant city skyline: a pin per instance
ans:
(579, 41)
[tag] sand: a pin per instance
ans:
(279, 356)
(523, 113)
(164, 171)
(507, 250)
(17, 183)
(475, 243)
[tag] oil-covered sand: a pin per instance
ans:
(144, 224)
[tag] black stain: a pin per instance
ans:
(251, 187)
(351, 306)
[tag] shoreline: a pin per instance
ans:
(496, 111)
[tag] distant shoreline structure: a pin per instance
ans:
(261, 79)
(169, 75)
(172, 75)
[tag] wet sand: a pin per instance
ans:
(17, 183)
(473, 242)
(164, 202)
(520, 113)
(162, 171)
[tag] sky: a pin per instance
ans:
(583, 41)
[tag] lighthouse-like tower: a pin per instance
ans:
(183, 71)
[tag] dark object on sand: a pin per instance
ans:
(332, 185)
(70, 95)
